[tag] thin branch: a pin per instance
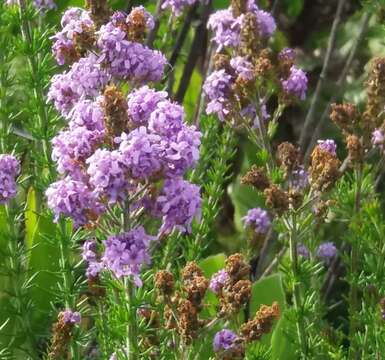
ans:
(340, 82)
(332, 39)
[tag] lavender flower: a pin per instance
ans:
(44, 5)
(87, 114)
(303, 251)
(378, 137)
(73, 199)
(258, 219)
(125, 253)
(141, 153)
(142, 102)
(89, 251)
(107, 173)
(266, 23)
(299, 178)
(218, 281)
(242, 67)
(179, 203)
(182, 151)
(328, 145)
(226, 28)
(224, 340)
(326, 251)
(75, 14)
(71, 148)
(167, 119)
(71, 317)
(177, 6)
(9, 169)
(287, 54)
(217, 87)
(296, 84)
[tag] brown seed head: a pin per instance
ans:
(99, 10)
(196, 290)
(164, 282)
(237, 268)
(355, 150)
(345, 116)
(191, 271)
(288, 157)
(277, 199)
(256, 177)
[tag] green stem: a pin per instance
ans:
(293, 234)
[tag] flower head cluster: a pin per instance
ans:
(224, 340)
(179, 203)
(258, 219)
(71, 198)
(88, 114)
(242, 67)
(218, 281)
(296, 84)
(328, 145)
(9, 169)
(126, 253)
(71, 317)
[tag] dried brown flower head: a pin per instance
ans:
(324, 169)
(115, 110)
(345, 116)
(222, 62)
(61, 337)
(256, 177)
(277, 199)
(250, 40)
(237, 268)
(295, 199)
(95, 288)
(136, 24)
(164, 282)
(288, 157)
(188, 320)
(234, 297)
(355, 150)
(191, 271)
(196, 290)
(263, 64)
(261, 324)
(99, 10)
(238, 7)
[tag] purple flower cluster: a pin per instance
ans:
(127, 59)
(243, 67)
(84, 80)
(328, 145)
(9, 169)
(71, 198)
(296, 84)
(71, 317)
(71, 148)
(125, 253)
(227, 28)
(326, 251)
(258, 219)
(303, 251)
(179, 203)
(142, 102)
(224, 340)
(90, 257)
(218, 281)
(107, 175)
(75, 21)
(87, 114)
(177, 6)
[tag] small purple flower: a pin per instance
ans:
(258, 219)
(141, 153)
(74, 14)
(287, 54)
(9, 169)
(142, 102)
(224, 340)
(266, 23)
(177, 6)
(89, 250)
(218, 281)
(303, 251)
(167, 119)
(87, 114)
(71, 148)
(126, 253)
(378, 137)
(226, 28)
(73, 199)
(299, 178)
(179, 203)
(296, 84)
(328, 145)
(71, 317)
(217, 87)
(243, 67)
(108, 175)
(44, 5)
(326, 251)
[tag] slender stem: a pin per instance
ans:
(332, 39)
(296, 286)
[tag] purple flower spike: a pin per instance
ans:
(126, 253)
(326, 251)
(218, 281)
(179, 203)
(9, 169)
(224, 340)
(258, 219)
(296, 84)
(328, 145)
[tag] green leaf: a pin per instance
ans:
(31, 218)
(294, 7)
(282, 348)
(212, 264)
